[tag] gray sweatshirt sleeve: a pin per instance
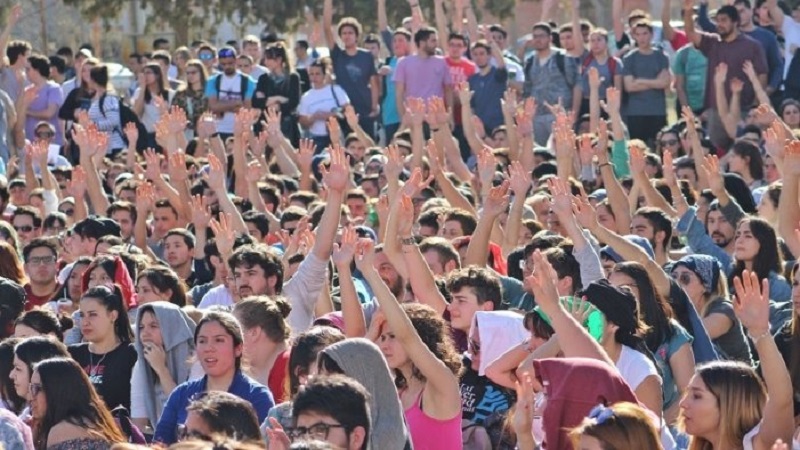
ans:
(589, 260)
(303, 291)
(733, 212)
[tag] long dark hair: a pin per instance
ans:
(112, 301)
(164, 278)
(8, 393)
(35, 349)
(161, 82)
(768, 259)
(655, 312)
(229, 323)
(306, 347)
(794, 357)
(44, 321)
(79, 405)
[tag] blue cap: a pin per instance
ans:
(612, 254)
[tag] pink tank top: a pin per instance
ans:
(428, 433)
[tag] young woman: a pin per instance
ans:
(218, 343)
(756, 249)
(703, 280)
(266, 340)
(727, 405)
(416, 343)
(11, 265)
(622, 425)
(181, 58)
(669, 141)
(191, 96)
(152, 98)
(69, 419)
(667, 340)
(9, 399)
(27, 353)
(790, 113)
(160, 283)
(788, 341)
(279, 88)
(302, 363)
(44, 100)
(361, 360)
(768, 205)
(105, 109)
(746, 161)
(42, 322)
(322, 101)
(107, 354)
(165, 348)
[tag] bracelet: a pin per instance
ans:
(600, 166)
(408, 240)
(755, 339)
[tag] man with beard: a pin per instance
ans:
(40, 257)
(228, 91)
(655, 226)
(435, 83)
(729, 47)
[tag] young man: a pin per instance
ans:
(461, 69)
(179, 246)
(124, 213)
(732, 48)
(608, 67)
(646, 77)
(354, 68)
(391, 111)
(40, 256)
(488, 85)
(511, 62)
(435, 83)
(655, 226)
(333, 409)
(14, 58)
(227, 92)
(27, 221)
(251, 46)
(472, 289)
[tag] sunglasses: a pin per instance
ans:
(24, 229)
(35, 389)
(206, 56)
(68, 212)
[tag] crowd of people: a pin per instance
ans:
(421, 238)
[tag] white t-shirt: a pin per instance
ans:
(217, 296)
(635, 367)
(229, 89)
(322, 99)
(256, 71)
(151, 114)
(791, 33)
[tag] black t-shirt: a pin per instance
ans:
(480, 396)
(110, 374)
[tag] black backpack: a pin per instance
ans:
(126, 116)
(244, 80)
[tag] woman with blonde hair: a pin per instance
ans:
(727, 406)
(623, 425)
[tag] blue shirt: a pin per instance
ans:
(174, 412)
(389, 106)
(488, 90)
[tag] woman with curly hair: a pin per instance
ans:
(416, 344)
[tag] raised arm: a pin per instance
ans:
(93, 143)
(688, 23)
(616, 14)
(520, 182)
(442, 385)
(752, 308)
(494, 204)
(337, 180)
(617, 199)
(217, 182)
(354, 323)
(788, 207)
(776, 13)
(666, 27)
(13, 17)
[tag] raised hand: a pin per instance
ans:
(464, 93)
(585, 149)
(584, 212)
(613, 101)
(710, 167)
(736, 85)
(145, 198)
(176, 120)
(751, 304)
(601, 146)
(343, 253)
(509, 102)
(594, 78)
(415, 111)
(496, 202)
(201, 213)
(206, 126)
(337, 176)
(542, 283)
(415, 184)
(365, 255)
(487, 166)
(350, 116)
(216, 177)
(223, 234)
(775, 141)
(153, 160)
(637, 162)
(131, 132)
(255, 170)
(791, 162)
(434, 158)
(721, 73)
(519, 178)
(178, 173)
(562, 199)
(669, 169)
(334, 130)
(405, 216)
(76, 187)
(764, 115)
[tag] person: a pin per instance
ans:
(105, 109)
(10, 400)
(164, 346)
(191, 97)
(27, 353)
(159, 283)
(14, 57)
(266, 342)
(218, 342)
(437, 83)
(12, 307)
(609, 68)
(323, 101)
(150, 98)
(14, 433)
(333, 409)
(74, 418)
(702, 279)
(729, 406)
(228, 91)
(108, 353)
(42, 99)
(218, 415)
(251, 46)
(621, 425)
(27, 222)
(280, 89)
(42, 322)
(488, 85)
(40, 257)
(787, 340)
(354, 67)
(362, 361)
(306, 346)
(416, 346)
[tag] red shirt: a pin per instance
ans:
(34, 300)
(278, 378)
(460, 71)
(679, 39)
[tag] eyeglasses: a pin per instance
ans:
(69, 212)
(540, 36)
(206, 56)
(318, 431)
(23, 229)
(669, 142)
(41, 260)
(44, 134)
(35, 389)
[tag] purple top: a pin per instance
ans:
(423, 77)
(50, 94)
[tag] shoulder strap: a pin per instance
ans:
(102, 101)
(528, 64)
(612, 67)
(560, 63)
(587, 61)
(335, 97)
(245, 82)
(218, 83)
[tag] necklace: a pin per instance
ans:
(94, 367)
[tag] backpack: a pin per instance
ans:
(126, 116)
(245, 81)
(560, 63)
(131, 431)
(612, 65)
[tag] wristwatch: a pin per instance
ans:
(408, 240)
